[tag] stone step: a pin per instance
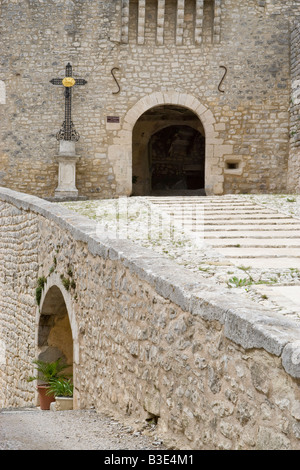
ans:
(287, 296)
(267, 263)
(242, 223)
(204, 202)
(216, 213)
(244, 233)
(200, 199)
(259, 252)
(221, 205)
(213, 207)
(233, 221)
(259, 234)
(233, 228)
(254, 242)
(242, 217)
(217, 231)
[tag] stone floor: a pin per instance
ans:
(250, 243)
(33, 429)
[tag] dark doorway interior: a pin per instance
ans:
(168, 151)
(177, 158)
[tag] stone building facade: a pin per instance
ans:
(216, 71)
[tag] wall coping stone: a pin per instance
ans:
(245, 323)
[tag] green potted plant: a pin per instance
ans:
(62, 389)
(46, 373)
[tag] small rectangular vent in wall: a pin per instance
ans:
(232, 165)
(180, 22)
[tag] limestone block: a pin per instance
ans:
(270, 439)
(291, 358)
(220, 150)
(199, 22)
(220, 126)
(2, 92)
(190, 102)
(120, 158)
(200, 110)
(172, 97)
(66, 176)
(67, 147)
(218, 189)
(141, 21)
(160, 22)
(209, 151)
(208, 118)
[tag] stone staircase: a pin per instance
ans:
(244, 232)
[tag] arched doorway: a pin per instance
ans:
(124, 145)
(54, 335)
(168, 151)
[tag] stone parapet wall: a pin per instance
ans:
(18, 273)
(150, 340)
(294, 159)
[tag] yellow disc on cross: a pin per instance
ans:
(68, 82)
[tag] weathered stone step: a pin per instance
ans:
(243, 232)
(242, 217)
(234, 215)
(255, 242)
(259, 252)
(213, 204)
(233, 228)
(214, 207)
(267, 263)
(199, 199)
(216, 213)
(218, 230)
(245, 222)
(259, 234)
(207, 202)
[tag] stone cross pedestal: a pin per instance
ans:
(67, 160)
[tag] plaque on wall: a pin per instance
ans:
(113, 119)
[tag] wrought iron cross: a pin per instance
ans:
(67, 131)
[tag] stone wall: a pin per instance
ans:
(150, 342)
(18, 273)
(155, 47)
(294, 160)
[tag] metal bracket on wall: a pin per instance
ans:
(112, 72)
(223, 78)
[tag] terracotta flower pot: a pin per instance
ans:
(45, 400)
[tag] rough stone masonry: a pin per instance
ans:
(294, 163)
(149, 342)
(225, 61)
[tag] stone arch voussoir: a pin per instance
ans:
(175, 98)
